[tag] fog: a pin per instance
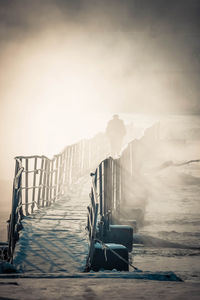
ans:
(67, 66)
(165, 176)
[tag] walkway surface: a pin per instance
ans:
(54, 239)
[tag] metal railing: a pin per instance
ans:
(111, 185)
(40, 181)
(92, 223)
(105, 199)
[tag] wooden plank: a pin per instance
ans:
(51, 174)
(118, 188)
(47, 184)
(56, 179)
(59, 174)
(34, 183)
(44, 182)
(100, 189)
(40, 181)
(65, 168)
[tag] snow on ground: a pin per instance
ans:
(96, 288)
(54, 239)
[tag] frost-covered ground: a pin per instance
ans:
(96, 289)
(54, 239)
(172, 216)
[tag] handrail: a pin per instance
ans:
(94, 191)
(93, 211)
(32, 156)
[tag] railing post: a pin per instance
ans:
(56, 179)
(118, 187)
(65, 168)
(59, 174)
(70, 165)
(44, 182)
(47, 183)
(100, 189)
(40, 181)
(112, 184)
(34, 183)
(122, 166)
(26, 186)
(51, 179)
(11, 232)
(107, 189)
(20, 192)
(73, 162)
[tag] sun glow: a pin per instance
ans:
(61, 86)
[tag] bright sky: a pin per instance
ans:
(63, 76)
(54, 93)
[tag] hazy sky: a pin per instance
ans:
(62, 62)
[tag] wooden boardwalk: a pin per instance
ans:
(53, 239)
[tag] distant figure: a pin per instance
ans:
(115, 132)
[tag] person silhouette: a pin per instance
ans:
(115, 132)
